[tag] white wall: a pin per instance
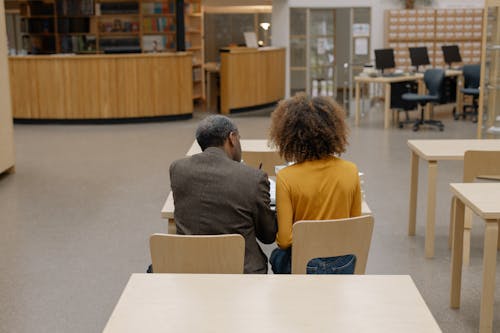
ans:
(281, 12)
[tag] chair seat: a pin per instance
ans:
(419, 98)
(470, 91)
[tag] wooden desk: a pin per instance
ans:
(270, 303)
(167, 212)
(251, 77)
(254, 152)
(69, 87)
(433, 151)
(484, 200)
(386, 81)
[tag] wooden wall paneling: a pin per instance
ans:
(6, 127)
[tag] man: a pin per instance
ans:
(216, 194)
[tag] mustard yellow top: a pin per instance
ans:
(316, 190)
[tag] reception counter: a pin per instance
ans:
(95, 87)
(251, 77)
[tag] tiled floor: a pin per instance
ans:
(76, 216)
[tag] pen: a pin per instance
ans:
(260, 165)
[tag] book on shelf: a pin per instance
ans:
(154, 43)
(75, 7)
(78, 44)
(106, 8)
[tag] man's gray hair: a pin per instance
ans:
(213, 131)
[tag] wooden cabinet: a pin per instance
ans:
(193, 18)
(263, 73)
(6, 128)
(488, 124)
(94, 87)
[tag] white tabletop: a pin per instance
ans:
(450, 149)
(260, 146)
(270, 303)
(482, 198)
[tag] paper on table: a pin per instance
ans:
(272, 191)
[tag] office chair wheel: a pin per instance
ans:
(474, 119)
(441, 128)
(416, 127)
(400, 125)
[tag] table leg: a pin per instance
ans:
(452, 222)
(460, 97)
(357, 97)
(431, 209)
(387, 105)
(467, 233)
(413, 194)
(171, 228)
(456, 254)
(489, 271)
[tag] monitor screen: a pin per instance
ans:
(419, 56)
(451, 54)
(384, 58)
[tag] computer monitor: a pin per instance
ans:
(451, 54)
(419, 57)
(384, 58)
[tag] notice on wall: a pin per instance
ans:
(360, 30)
(361, 46)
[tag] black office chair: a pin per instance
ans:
(472, 75)
(433, 79)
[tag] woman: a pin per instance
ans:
(312, 133)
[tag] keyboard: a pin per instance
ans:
(392, 74)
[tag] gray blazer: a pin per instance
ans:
(216, 195)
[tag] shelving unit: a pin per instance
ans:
(488, 124)
(433, 28)
(193, 18)
(99, 26)
(158, 26)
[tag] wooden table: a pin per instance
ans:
(484, 200)
(254, 152)
(387, 80)
(433, 151)
(270, 303)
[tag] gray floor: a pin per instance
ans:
(76, 216)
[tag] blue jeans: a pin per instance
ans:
(281, 263)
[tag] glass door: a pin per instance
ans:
(312, 52)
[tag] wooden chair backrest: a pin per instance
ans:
(269, 160)
(480, 163)
(331, 238)
(216, 254)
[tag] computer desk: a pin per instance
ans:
(387, 80)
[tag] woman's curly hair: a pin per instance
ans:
(305, 129)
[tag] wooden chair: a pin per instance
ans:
(477, 164)
(268, 160)
(216, 254)
(331, 238)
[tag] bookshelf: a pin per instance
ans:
(158, 26)
(98, 26)
(433, 28)
(193, 18)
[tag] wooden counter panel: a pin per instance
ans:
(251, 78)
(101, 87)
(6, 128)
